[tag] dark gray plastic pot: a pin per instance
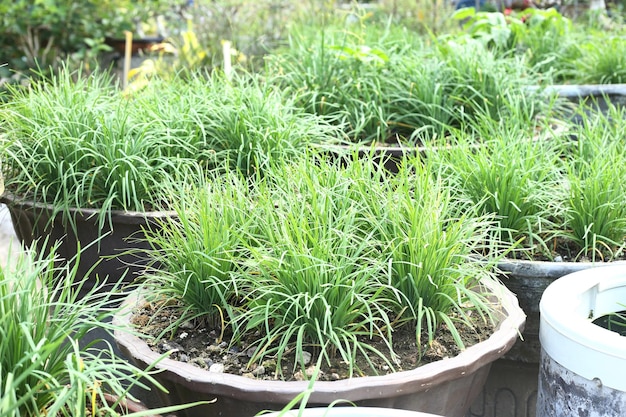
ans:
(447, 387)
(578, 91)
(597, 97)
(110, 249)
(511, 389)
(528, 280)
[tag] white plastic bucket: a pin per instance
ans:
(583, 365)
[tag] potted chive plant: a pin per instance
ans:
(396, 93)
(319, 262)
(85, 163)
(46, 369)
(559, 206)
(577, 62)
(518, 180)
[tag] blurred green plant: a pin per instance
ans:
(43, 33)
(602, 60)
(46, 368)
(547, 40)
(252, 27)
(138, 16)
(209, 34)
(422, 16)
(178, 56)
(38, 37)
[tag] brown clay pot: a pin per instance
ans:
(447, 387)
(127, 406)
(138, 44)
(511, 389)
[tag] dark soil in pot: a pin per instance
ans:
(204, 347)
(445, 387)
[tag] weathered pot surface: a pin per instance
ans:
(447, 387)
(127, 406)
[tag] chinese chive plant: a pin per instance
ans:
(511, 176)
(554, 194)
(595, 195)
(385, 87)
(74, 141)
(316, 255)
(46, 368)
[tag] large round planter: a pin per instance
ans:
(113, 252)
(582, 364)
(447, 387)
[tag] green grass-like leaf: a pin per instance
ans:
(44, 366)
(513, 177)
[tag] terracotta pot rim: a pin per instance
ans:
(353, 389)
